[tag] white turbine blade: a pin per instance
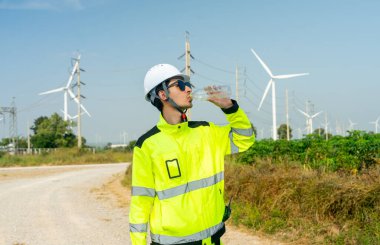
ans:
(77, 101)
(84, 109)
(76, 116)
(72, 95)
(63, 112)
(68, 115)
(52, 91)
(72, 74)
(316, 114)
(306, 115)
(263, 64)
(265, 93)
(290, 75)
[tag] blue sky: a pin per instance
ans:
(337, 42)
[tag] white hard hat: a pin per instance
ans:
(159, 73)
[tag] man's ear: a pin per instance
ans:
(162, 95)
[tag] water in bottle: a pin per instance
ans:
(212, 91)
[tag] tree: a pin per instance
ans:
(37, 122)
(131, 144)
(321, 132)
(282, 132)
(5, 141)
(52, 132)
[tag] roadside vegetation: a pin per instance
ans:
(308, 191)
(304, 205)
(66, 156)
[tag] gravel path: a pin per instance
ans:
(72, 205)
(60, 208)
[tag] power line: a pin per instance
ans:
(214, 67)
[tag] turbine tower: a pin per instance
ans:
(68, 92)
(376, 124)
(272, 84)
(326, 124)
(309, 120)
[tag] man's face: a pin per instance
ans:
(179, 91)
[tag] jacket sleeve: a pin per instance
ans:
(239, 130)
(143, 193)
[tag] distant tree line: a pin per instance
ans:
(48, 132)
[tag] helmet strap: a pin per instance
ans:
(182, 111)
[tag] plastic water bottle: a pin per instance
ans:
(212, 91)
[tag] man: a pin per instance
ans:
(178, 165)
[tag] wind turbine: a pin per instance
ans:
(352, 124)
(67, 91)
(71, 118)
(272, 84)
(309, 120)
(376, 124)
(326, 124)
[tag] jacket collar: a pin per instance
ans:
(171, 128)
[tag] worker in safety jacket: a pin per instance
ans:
(178, 165)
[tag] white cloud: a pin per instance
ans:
(41, 4)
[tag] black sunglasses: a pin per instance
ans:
(181, 85)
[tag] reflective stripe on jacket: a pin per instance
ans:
(178, 178)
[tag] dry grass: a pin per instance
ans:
(303, 205)
(298, 205)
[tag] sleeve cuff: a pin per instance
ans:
(232, 109)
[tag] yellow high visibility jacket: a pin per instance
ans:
(178, 178)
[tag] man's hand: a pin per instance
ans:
(218, 97)
(223, 103)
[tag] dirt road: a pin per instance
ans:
(58, 207)
(69, 205)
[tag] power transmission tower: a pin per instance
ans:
(12, 111)
(79, 96)
(188, 56)
(79, 110)
(188, 70)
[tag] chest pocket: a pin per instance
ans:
(169, 169)
(173, 168)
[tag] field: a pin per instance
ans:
(308, 191)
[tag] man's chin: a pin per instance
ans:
(188, 106)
